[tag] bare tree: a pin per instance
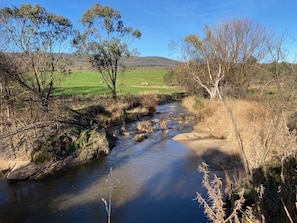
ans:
(223, 58)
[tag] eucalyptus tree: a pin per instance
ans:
(226, 56)
(36, 39)
(105, 42)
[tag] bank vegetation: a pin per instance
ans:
(246, 95)
(43, 130)
(241, 85)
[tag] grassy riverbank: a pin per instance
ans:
(73, 129)
(262, 134)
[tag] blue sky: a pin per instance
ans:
(163, 21)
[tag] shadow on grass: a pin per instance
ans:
(84, 90)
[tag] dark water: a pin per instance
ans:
(152, 181)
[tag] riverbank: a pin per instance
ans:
(215, 152)
(158, 177)
(30, 169)
(84, 136)
(263, 134)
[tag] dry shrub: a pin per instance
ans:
(150, 102)
(209, 109)
(266, 131)
(292, 121)
(263, 133)
(189, 104)
(214, 205)
(202, 108)
(77, 97)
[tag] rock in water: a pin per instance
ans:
(140, 137)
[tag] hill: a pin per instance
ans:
(152, 62)
(133, 62)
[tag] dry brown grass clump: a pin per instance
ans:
(262, 131)
(150, 102)
(189, 103)
(264, 135)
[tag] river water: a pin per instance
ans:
(152, 181)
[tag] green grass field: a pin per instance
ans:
(138, 81)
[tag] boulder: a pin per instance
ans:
(144, 126)
(140, 137)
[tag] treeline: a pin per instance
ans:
(262, 81)
(231, 60)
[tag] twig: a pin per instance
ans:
(28, 127)
(108, 204)
(296, 196)
(287, 212)
(239, 140)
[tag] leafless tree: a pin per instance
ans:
(224, 57)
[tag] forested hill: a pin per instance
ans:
(133, 62)
(152, 61)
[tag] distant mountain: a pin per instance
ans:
(152, 62)
(133, 62)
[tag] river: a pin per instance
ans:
(152, 181)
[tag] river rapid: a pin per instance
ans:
(151, 181)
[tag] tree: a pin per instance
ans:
(35, 39)
(105, 42)
(8, 68)
(225, 56)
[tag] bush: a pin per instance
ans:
(150, 102)
(89, 143)
(42, 157)
(268, 147)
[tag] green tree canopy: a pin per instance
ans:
(37, 39)
(105, 42)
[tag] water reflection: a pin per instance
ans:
(152, 181)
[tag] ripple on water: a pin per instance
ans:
(151, 181)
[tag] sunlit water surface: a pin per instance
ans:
(152, 181)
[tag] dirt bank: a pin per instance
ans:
(212, 151)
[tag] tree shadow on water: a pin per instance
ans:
(169, 196)
(166, 195)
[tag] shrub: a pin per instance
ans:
(150, 102)
(268, 142)
(42, 157)
(214, 206)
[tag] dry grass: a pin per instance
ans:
(267, 134)
(150, 102)
(189, 103)
(214, 205)
(263, 132)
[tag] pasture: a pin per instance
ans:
(137, 81)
